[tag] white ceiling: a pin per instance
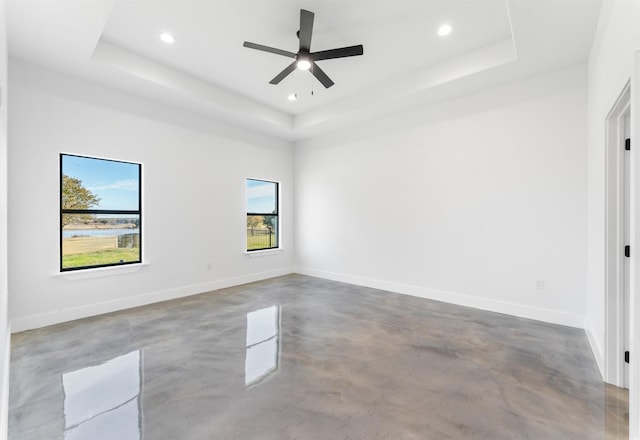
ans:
(207, 70)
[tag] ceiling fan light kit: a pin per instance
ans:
(304, 58)
(304, 61)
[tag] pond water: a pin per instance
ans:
(66, 233)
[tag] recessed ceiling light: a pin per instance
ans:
(167, 38)
(444, 30)
(292, 97)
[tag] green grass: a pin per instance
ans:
(106, 256)
(260, 241)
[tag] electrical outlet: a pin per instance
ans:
(540, 284)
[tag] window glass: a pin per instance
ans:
(262, 215)
(100, 213)
(262, 196)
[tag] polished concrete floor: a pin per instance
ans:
(303, 358)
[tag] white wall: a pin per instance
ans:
(469, 201)
(194, 172)
(4, 328)
(610, 68)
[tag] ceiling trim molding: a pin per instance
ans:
(385, 100)
(216, 97)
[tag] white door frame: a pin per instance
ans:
(634, 289)
(614, 239)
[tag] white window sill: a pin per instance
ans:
(99, 272)
(263, 253)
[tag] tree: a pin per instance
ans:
(269, 221)
(76, 196)
(254, 221)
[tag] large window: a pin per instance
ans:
(262, 215)
(100, 216)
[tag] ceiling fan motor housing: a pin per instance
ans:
(305, 59)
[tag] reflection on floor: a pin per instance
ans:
(263, 328)
(617, 416)
(103, 398)
(303, 358)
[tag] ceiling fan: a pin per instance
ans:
(305, 59)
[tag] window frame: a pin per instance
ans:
(137, 212)
(276, 215)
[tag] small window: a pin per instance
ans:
(100, 215)
(262, 215)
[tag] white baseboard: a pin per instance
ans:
(598, 352)
(524, 311)
(520, 310)
(4, 396)
(70, 314)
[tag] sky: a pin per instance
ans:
(261, 196)
(116, 183)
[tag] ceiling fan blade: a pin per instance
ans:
(269, 49)
(306, 29)
(343, 52)
(282, 75)
(322, 77)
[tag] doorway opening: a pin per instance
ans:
(617, 240)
